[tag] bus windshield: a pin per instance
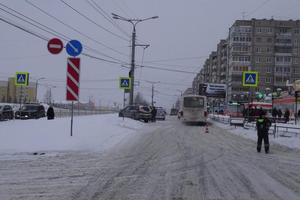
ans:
(193, 102)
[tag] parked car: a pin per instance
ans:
(6, 112)
(30, 111)
(136, 112)
(160, 114)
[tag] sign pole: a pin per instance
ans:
(72, 118)
(296, 102)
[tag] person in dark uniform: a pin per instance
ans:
(153, 113)
(50, 113)
(262, 125)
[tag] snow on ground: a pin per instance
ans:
(292, 142)
(94, 133)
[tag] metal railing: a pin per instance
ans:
(277, 130)
(67, 113)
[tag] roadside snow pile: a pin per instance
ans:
(95, 133)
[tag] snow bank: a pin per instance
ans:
(93, 133)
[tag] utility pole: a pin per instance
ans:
(152, 103)
(36, 89)
(134, 22)
(152, 93)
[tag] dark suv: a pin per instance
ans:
(30, 111)
(6, 112)
(136, 112)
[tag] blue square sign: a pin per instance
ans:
(250, 78)
(125, 83)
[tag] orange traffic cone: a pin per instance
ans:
(206, 128)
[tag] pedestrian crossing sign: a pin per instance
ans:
(22, 79)
(125, 83)
(250, 78)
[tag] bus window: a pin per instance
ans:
(193, 102)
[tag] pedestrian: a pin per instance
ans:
(286, 115)
(50, 113)
(279, 113)
(153, 113)
(262, 125)
(274, 112)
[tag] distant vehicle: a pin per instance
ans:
(160, 113)
(173, 111)
(30, 111)
(6, 112)
(137, 112)
(194, 108)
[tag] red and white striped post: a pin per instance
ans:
(73, 82)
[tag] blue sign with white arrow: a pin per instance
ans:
(74, 48)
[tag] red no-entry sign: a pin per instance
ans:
(55, 46)
(73, 73)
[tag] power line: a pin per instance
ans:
(72, 28)
(60, 35)
(176, 59)
(258, 7)
(92, 21)
(165, 69)
(95, 57)
(55, 32)
(24, 29)
(106, 16)
(47, 39)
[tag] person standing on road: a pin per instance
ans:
(287, 115)
(153, 113)
(262, 125)
(50, 113)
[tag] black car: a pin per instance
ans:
(6, 112)
(136, 112)
(30, 111)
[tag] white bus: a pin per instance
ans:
(194, 109)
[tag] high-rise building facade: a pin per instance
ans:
(269, 47)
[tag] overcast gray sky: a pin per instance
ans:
(181, 39)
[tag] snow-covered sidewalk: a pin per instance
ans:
(94, 133)
(292, 142)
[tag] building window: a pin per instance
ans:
(268, 80)
(269, 60)
(268, 69)
(287, 70)
(269, 40)
(258, 39)
(296, 31)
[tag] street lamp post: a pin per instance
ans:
(152, 96)
(36, 87)
(134, 22)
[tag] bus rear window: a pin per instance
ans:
(193, 102)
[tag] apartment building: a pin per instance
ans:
(270, 47)
(3, 91)
(11, 93)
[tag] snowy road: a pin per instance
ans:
(170, 161)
